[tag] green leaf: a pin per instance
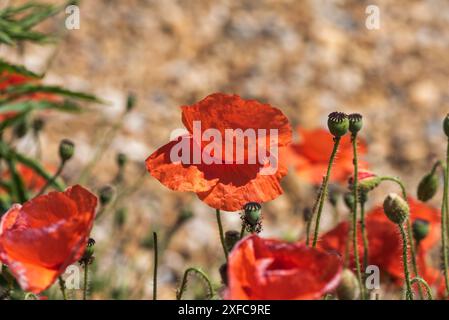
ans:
(17, 69)
(27, 106)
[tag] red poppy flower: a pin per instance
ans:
(310, 156)
(40, 238)
(32, 180)
(260, 269)
(231, 180)
(385, 244)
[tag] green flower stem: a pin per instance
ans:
(220, 230)
(155, 266)
(409, 231)
(242, 231)
(62, 287)
(314, 208)
(354, 218)
(18, 185)
(324, 191)
(409, 292)
(444, 216)
(201, 275)
(364, 235)
(425, 284)
(86, 279)
(53, 178)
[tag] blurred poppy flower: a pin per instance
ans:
(385, 244)
(261, 269)
(310, 156)
(31, 180)
(40, 238)
(8, 79)
(226, 183)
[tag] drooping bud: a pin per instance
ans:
(66, 150)
(428, 187)
(396, 208)
(121, 160)
(355, 122)
(348, 289)
(231, 238)
(252, 217)
(338, 124)
(349, 200)
(367, 181)
(420, 228)
(106, 195)
(446, 125)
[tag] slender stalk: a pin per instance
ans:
(324, 191)
(409, 292)
(155, 266)
(444, 216)
(220, 230)
(202, 275)
(314, 208)
(364, 235)
(86, 279)
(354, 217)
(52, 179)
(242, 231)
(409, 231)
(62, 288)
(425, 284)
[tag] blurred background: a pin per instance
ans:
(308, 58)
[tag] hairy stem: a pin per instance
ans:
(52, 179)
(408, 293)
(202, 275)
(220, 230)
(364, 235)
(425, 284)
(324, 191)
(444, 216)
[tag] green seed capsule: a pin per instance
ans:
(446, 125)
(338, 124)
(66, 149)
(355, 122)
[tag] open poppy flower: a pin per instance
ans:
(385, 244)
(222, 178)
(310, 156)
(40, 238)
(261, 269)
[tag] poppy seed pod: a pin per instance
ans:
(348, 289)
(338, 124)
(66, 150)
(252, 213)
(106, 195)
(231, 238)
(446, 125)
(427, 187)
(420, 228)
(396, 208)
(355, 122)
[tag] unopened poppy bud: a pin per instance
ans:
(106, 195)
(38, 125)
(121, 160)
(446, 125)
(427, 187)
(338, 124)
(252, 213)
(367, 181)
(348, 289)
(349, 200)
(66, 149)
(355, 122)
(231, 238)
(224, 273)
(396, 208)
(420, 228)
(130, 102)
